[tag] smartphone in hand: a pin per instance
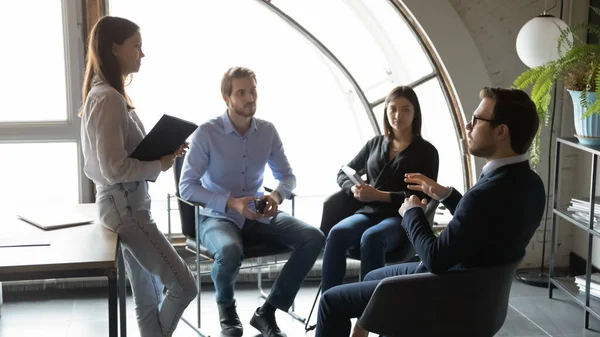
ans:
(260, 205)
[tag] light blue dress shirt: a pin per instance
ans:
(221, 163)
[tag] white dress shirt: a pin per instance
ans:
(109, 134)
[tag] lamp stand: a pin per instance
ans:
(533, 277)
(536, 276)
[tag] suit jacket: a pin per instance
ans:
(492, 223)
(388, 175)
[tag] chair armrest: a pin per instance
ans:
(429, 304)
(191, 203)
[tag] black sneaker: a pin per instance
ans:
(266, 324)
(230, 321)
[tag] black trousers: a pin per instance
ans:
(341, 303)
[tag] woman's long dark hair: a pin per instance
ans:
(100, 60)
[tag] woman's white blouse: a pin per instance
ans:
(109, 134)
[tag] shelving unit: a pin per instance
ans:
(590, 304)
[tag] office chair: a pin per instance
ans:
(189, 213)
(470, 302)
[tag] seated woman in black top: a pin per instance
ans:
(375, 227)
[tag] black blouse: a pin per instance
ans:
(388, 175)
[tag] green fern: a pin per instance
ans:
(545, 102)
(535, 148)
(583, 99)
(544, 84)
(527, 78)
(594, 30)
(592, 109)
(598, 77)
(596, 10)
(578, 65)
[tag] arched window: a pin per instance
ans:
(323, 69)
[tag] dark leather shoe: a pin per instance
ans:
(266, 324)
(230, 321)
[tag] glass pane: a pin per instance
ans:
(369, 37)
(410, 62)
(37, 52)
(39, 173)
(438, 128)
(320, 121)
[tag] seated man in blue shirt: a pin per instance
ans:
(224, 170)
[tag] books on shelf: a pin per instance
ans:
(580, 209)
(583, 217)
(594, 284)
(583, 204)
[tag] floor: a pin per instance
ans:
(69, 313)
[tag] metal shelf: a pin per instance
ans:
(568, 286)
(573, 142)
(567, 216)
(590, 304)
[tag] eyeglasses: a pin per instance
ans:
(474, 120)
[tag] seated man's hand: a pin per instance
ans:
(272, 204)
(240, 205)
(412, 202)
(426, 185)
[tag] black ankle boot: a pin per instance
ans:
(230, 321)
(266, 324)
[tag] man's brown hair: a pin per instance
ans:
(515, 109)
(232, 73)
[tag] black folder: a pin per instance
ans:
(164, 138)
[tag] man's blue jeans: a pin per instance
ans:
(225, 241)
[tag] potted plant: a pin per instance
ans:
(578, 65)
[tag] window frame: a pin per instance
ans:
(67, 130)
(447, 87)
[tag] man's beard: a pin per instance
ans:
(243, 112)
(482, 152)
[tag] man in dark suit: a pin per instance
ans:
(492, 223)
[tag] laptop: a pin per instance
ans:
(54, 220)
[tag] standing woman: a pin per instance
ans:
(110, 131)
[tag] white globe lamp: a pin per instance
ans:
(537, 42)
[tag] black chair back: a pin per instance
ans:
(337, 207)
(186, 211)
(459, 303)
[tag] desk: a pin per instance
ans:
(80, 251)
